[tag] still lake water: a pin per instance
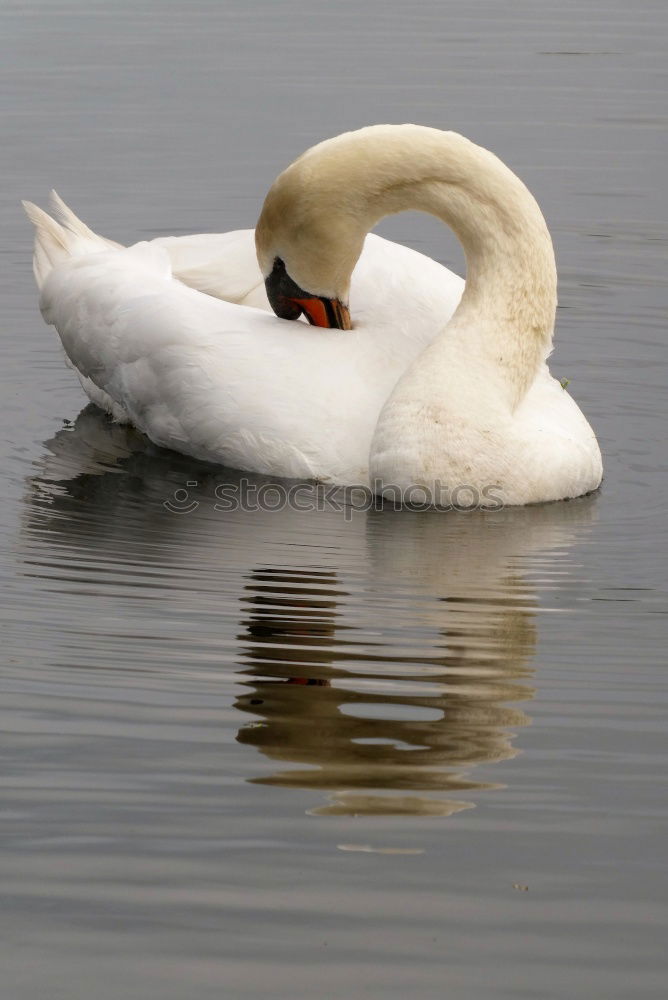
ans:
(311, 755)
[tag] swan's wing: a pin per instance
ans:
(220, 264)
(222, 382)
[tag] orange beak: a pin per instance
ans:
(325, 312)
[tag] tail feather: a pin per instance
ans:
(67, 218)
(60, 238)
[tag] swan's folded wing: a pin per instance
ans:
(223, 265)
(215, 380)
(120, 315)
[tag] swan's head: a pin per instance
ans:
(308, 238)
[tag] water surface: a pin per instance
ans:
(331, 753)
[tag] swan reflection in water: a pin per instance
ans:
(384, 659)
(407, 682)
(377, 719)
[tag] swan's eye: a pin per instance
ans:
(289, 301)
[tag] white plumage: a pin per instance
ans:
(174, 335)
(233, 383)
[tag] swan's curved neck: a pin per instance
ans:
(353, 181)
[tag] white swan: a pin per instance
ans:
(476, 407)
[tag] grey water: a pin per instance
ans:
(335, 752)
